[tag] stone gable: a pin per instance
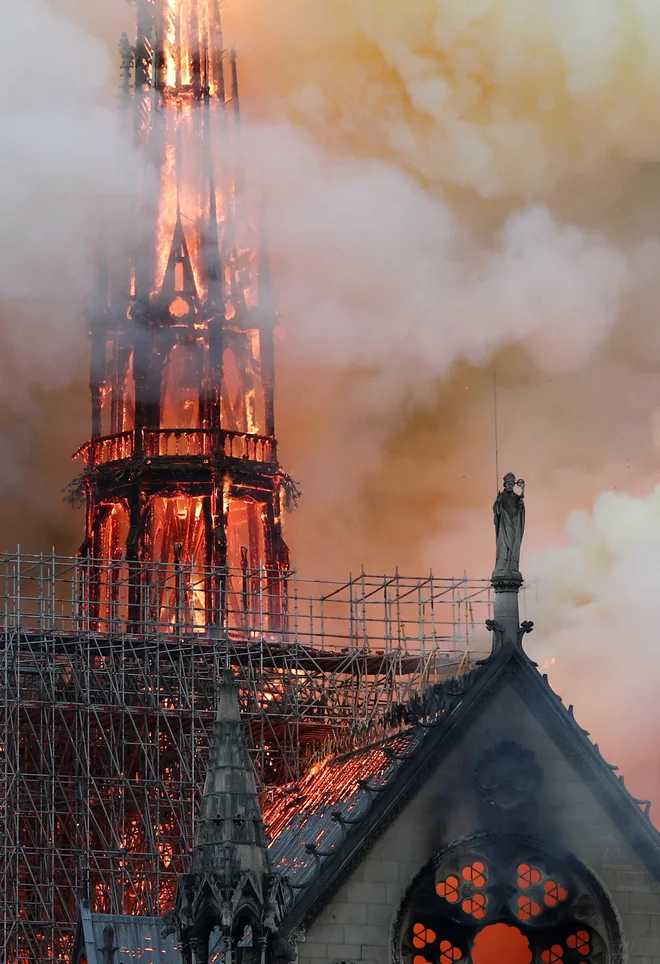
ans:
(357, 923)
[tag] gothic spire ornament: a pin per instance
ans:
(230, 902)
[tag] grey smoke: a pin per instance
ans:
(67, 164)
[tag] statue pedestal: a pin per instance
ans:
(506, 580)
(506, 615)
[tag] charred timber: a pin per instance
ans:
(181, 468)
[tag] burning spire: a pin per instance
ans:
(181, 469)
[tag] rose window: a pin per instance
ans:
(505, 896)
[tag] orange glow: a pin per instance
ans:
(335, 779)
(448, 953)
(580, 942)
(179, 536)
(527, 876)
(114, 531)
(193, 65)
(181, 387)
(182, 399)
(475, 905)
(167, 212)
(172, 14)
(501, 943)
(553, 955)
(528, 908)
(448, 889)
(475, 874)
(242, 391)
(422, 935)
(554, 893)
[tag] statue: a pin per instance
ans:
(509, 517)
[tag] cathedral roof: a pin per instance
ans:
(345, 804)
(320, 833)
(133, 937)
(309, 825)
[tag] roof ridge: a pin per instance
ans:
(420, 708)
(322, 855)
(643, 806)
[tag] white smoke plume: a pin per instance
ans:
(388, 287)
(406, 285)
(521, 142)
(385, 277)
(66, 166)
(598, 604)
(501, 97)
(449, 180)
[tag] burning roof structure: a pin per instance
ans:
(349, 800)
(106, 733)
(110, 660)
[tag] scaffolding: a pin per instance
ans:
(104, 722)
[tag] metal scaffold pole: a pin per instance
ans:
(104, 722)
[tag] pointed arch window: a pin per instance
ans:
(494, 898)
(216, 953)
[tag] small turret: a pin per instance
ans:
(230, 900)
(230, 831)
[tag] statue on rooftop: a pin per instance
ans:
(509, 517)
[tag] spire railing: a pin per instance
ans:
(181, 443)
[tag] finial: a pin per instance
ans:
(85, 889)
(127, 61)
(228, 710)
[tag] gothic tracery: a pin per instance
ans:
(553, 902)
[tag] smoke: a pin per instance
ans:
(598, 604)
(448, 192)
(454, 189)
(450, 189)
(66, 167)
(399, 286)
(390, 286)
(457, 188)
(501, 98)
(404, 283)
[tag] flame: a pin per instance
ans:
(171, 16)
(186, 114)
(167, 214)
(179, 121)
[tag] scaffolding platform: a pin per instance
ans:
(104, 733)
